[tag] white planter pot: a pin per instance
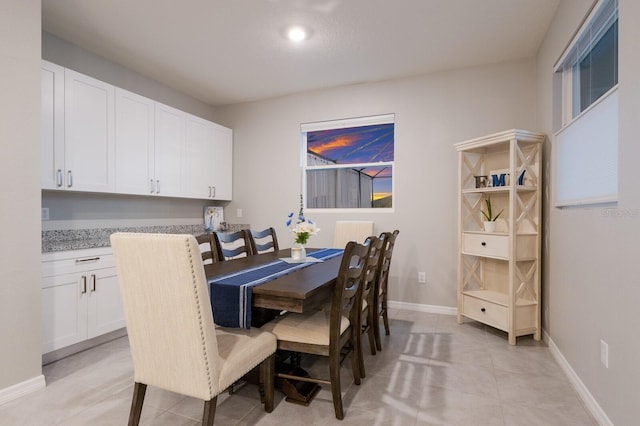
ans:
(489, 226)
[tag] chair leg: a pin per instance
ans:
(334, 375)
(371, 315)
(385, 317)
(209, 411)
(376, 331)
(358, 351)
(139, 390)
(267, 372)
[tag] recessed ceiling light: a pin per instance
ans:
(297, 34)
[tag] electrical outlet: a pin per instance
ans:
(44, 213)
(239, 212)
(604, 353)
(422, 277)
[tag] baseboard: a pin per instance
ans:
(21, 389)
(432, 309)
(590, 402)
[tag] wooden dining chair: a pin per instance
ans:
(327, 333)
(234, 244)
(382, 283)
(174, 343)
(263, 241)
(210, 251)
(369, 312)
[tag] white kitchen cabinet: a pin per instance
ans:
(198, 158)
(80, 297)
(499, 272)
(100, 138)
(135, 144)
(168, 153)
(52, 142)
(222, 167)
(89, 147)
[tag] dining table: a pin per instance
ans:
(304, 286)
(298, 288)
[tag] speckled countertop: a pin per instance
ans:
(78, 239)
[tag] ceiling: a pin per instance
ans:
(231, 51)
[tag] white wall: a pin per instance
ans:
(591, 286)
(20, 306)
(432, 113)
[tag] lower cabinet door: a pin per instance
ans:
(64, 311)
(105, 312)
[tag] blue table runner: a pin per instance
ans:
(231, 293)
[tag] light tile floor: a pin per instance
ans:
(432, 371)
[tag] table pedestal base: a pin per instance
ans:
(297, 391)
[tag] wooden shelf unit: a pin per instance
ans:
(499, 272)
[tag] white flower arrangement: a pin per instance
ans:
(304, 228)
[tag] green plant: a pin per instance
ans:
(488, 214)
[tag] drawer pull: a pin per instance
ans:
(89, 259)
(484, 244)
(483, 310)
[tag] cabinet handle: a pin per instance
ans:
(484, 244)
(69, 179)
(93, 282)
(59, 178)
(483, 310)
(88, 259)
(157, 186)
(84, 285)
(213, 195)
(151, 186)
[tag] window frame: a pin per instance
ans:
(586, 154)
(341, 124)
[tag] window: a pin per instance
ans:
(348, 164)
(587, 142)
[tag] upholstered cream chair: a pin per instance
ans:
(351, 230)
(174, 343)
(331, 333)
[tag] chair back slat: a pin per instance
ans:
(234, 244)
(210, 251)
(263, 241)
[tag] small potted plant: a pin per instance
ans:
(490, 222)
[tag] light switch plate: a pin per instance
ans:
(44, 214)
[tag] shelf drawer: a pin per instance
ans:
(486, 312)
(486, 245)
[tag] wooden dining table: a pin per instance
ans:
(299, 291)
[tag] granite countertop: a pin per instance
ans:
(78, 239)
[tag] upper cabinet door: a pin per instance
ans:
(222, 167)
(52, 141)
(135, 135)
(170, 134)
(198, 158)
(89, 134)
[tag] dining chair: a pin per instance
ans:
(368, 315)
(210, 252)
(234, 244)
(174, 343)
(263, 241)
(382, 283)
(327, 333)
(351, 230)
